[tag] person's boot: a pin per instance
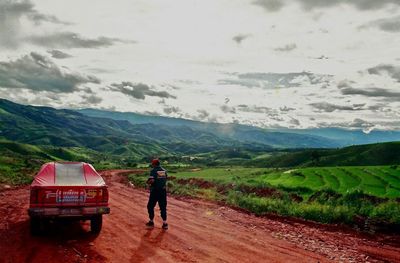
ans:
(165, 226)
(150, 224)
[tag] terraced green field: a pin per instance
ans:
(367, 197)
(381, 181)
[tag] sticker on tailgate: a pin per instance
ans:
(70, 196)
(92, 193)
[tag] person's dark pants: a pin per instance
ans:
(159, 196)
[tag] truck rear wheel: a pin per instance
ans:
(35, 226)
(96, 223)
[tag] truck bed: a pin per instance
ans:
(68, 189)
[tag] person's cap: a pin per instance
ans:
(155, 162)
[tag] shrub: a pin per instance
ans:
(324, 213)
(325, 196)
(209, 194)
(179, 189)
(388, 212)
(325, 206)
(358, 198)
(138, 180)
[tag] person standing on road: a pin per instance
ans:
(157, 182)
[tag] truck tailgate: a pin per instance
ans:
(61, 196)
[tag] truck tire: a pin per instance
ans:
(35, 226)
(96, 223)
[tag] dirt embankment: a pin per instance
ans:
(199, 232)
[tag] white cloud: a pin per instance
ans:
(195, 58)
(38, 72)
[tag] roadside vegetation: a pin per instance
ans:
(19, 162)
(366, 197)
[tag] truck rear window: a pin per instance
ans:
(69, 174)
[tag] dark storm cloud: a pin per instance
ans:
(171, 109)
(227, 109)
(371, 92)
(345, 84)
(357, 123)
(294, 121)
(203, 114)
(11, 13)
(39, 73)
(270, 5)
(322, 57)
(92, 99)
(388, 69)
(329, 107)
(58, 54)
(152, 113)
(16, 9)
(72, 40)
(365, 125)
(359, 4)
(139, 90)
(276, 118)
(286, 48)
(276, 5)
(286, 109)
(255, 109)
(273, 80)
(239, 38)
(38, 18)
(269, 112)
(386, 24)
(381, 107)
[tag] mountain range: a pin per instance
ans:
(280, 138)
(138, 136)
(29, 133)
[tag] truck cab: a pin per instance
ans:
(71, 190)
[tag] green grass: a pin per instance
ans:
(15, 171)
(224, 174)
(19, 161)
(369, 154)
(327, 195)
(346, 195)
(380, 181)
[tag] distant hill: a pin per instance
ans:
(350, 137)
(66, 128)
(138, 136)
(283, 137)
(236, 132)
(369, 154)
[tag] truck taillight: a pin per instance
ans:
(34, 196)
(105, 195)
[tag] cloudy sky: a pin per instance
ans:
(270, 63)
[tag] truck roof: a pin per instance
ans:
(67, 174)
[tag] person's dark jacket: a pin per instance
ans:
(159, 175)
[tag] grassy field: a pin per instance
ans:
(380, 181)
(19, 161)
(363, 196)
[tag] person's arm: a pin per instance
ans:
(150, 179)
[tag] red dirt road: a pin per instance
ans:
(199, 231)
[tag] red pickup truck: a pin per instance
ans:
(68, 190)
